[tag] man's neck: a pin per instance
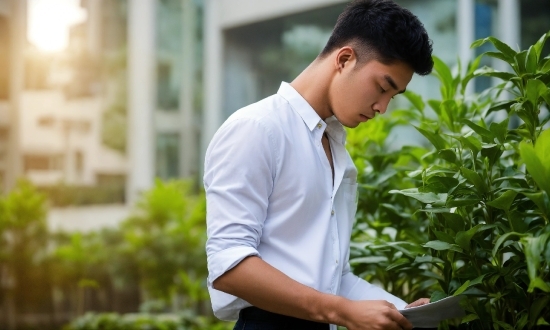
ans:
(313, 85)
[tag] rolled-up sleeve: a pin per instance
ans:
(238, 180)
(355, 288)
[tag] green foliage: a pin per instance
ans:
(22, 226)
(62, 195)
(156, 256)
(483, 189)
(23, 242)
(166, 236)
(113, 321)
(386, 236)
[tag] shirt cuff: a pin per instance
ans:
(355, 288)
(222, 261)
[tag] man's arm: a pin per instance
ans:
(267, 288)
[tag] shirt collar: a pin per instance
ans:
(309, 115)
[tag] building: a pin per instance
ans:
(12, 45)
(250, 46)
(178, 68)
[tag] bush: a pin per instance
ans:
(113, 321)
(482, 193)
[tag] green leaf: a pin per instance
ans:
(546, 66)
(454, 221)
(538, 199)
(416, 100)
(542, 149)
(539, 45)
(534, 90)
(475, 179)
(537, 306)
(533, 247)
(490, 72)
(463, 238)
(437, 141)
(442, 236)
(437, 295)
(436, 106)
(492, 152)
(428, 260)
(504, 201)
(502, 105)
(448, 155)
(504, 238)
(398, 263)
(500, 130)
(470, 142)
(462, 288)
(517, 222)
(445, 182)
(480, 130)
(368, 260)
(535, 166)
(540, 284)
(442, 246)
(442, 71)
(463, 201)
(469, 318)
(508, 52)
(497, 55)
(531, 61)
(427, 198)
(519, 65)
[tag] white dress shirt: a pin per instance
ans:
(270, 194)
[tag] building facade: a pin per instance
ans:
(251, 46)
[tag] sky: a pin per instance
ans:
(49, 22)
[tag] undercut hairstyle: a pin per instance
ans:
(384, 31)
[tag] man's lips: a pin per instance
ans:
(365, 118)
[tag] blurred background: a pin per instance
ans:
(106, 109)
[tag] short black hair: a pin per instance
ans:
(385, 31)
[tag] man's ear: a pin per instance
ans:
(345, 56)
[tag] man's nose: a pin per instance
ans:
(381, 106)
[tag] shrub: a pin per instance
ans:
(483, 189)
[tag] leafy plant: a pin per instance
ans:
(114, 321)
(484, 189)
(386, 237)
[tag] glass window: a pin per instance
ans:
(535, 21)
(261, 55)
(485, 20)
(169, 48)
(168, 154)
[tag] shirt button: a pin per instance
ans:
(332, 212)
(336, 261)
(319, 125)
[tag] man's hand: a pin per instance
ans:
(419, 302)
(373, 314)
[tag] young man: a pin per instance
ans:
(281, 187)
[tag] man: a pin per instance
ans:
(281, 187)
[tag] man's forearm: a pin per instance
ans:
(267, 288)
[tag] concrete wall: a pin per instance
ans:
(52, 125)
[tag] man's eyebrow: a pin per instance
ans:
(393, 84)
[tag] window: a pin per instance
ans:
(167, 155)
(79, 162)
(42, 162)
(46, 122)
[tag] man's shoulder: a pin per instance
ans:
(265, 111)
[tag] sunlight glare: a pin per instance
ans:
(49, 22)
